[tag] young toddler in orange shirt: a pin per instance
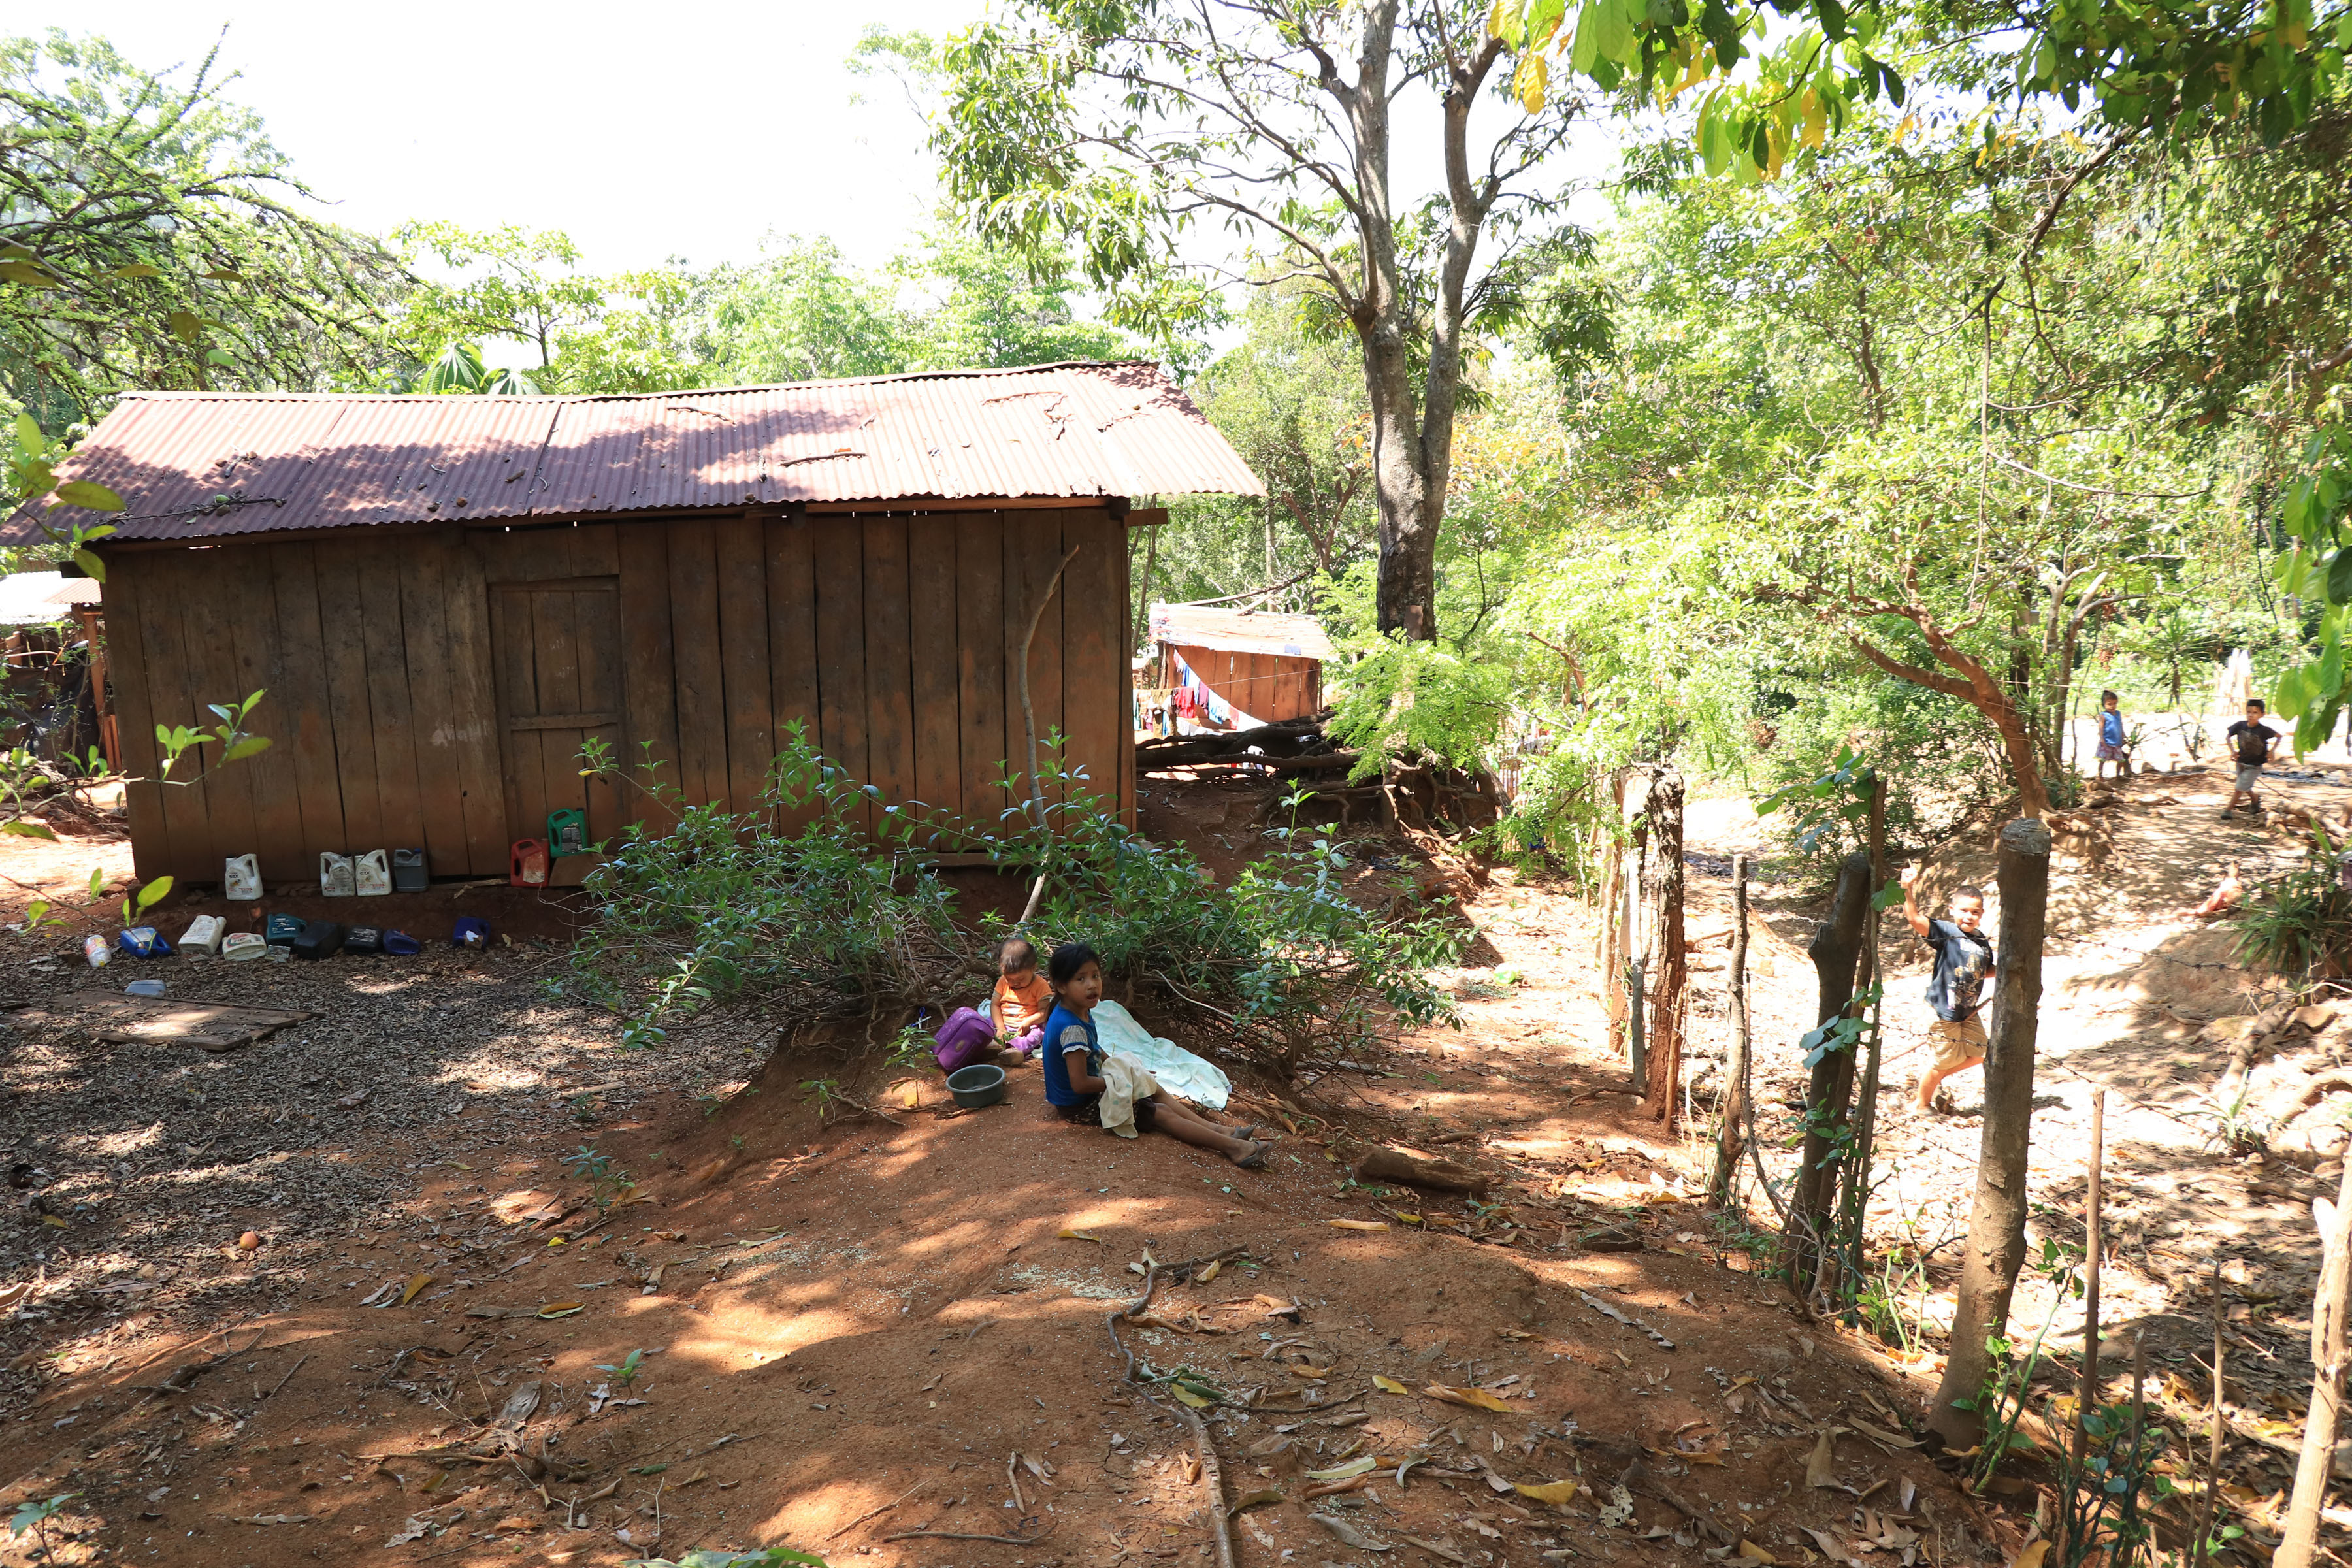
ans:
(1022, 998)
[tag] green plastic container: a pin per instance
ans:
(567, 833)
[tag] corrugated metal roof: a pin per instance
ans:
(1241, 631)
(199, 465)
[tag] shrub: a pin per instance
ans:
(829, 920)
(2300, 925)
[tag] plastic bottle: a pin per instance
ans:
(241, 876)
(95, 948)
(372, 873)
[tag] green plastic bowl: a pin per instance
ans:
(980, 1084)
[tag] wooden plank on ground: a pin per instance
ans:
(351, 709)
(980, 666)
(840, 569)
(889, 663)
(791, 637)
(128, 664)
(741, 546)
(931, 588)
(694, 648)
(153, 1020)
(1094, 663)
(649, 680)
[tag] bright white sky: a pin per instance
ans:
(643, 131)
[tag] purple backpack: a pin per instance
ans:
(963, 1039)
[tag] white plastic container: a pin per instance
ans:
(94, 947)
(203, 937)
(241, 878)
(243, 944)
(335, 878)
(372, 873)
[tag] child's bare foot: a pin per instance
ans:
(1253, 1160)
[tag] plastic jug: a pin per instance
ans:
(409, 872)
(567, 833)
(203, 937)
(239, 945)
(528, 865)
(241, 878)
(280, 930)
(372, 875)
(334, 874)
(364, 939)
(470, 931)
(319, 939)
(142, 942)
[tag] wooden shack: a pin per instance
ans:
(1264, 664)
(445, 598)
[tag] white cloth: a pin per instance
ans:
(1124, 1083)
(1176, 1070)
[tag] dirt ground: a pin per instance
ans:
(851, 1323)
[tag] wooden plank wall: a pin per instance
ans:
(1266, 686)
(894, 640)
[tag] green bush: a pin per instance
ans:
(829, 920)
(2299, 926)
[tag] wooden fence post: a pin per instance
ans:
(1731, 1138)
(1995, 1248)
(2314, 1466)
(1666, 973)
(1836, 952)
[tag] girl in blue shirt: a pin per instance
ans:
(1073, 1058)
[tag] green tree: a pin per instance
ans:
(1116, 128)
(147, 239)
(802, 314)
(993, 308)
(505, 282)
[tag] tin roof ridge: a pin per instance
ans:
(211, 396)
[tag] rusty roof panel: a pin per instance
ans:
(199, 465)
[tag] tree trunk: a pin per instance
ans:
(1668, 968)
(1836, 952)
(1730, 1139)
(1856, 1203)
(1995, 1248)
(2328, 1304)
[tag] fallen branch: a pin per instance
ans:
(1211, 1472)
(877, 1512)
(965, 1535)
(282, 1381)
(1431, 1175)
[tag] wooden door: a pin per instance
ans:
(557, 644)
